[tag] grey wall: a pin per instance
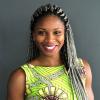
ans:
(14, 28)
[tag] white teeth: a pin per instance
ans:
(50, 47)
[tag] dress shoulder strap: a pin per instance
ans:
(29, 77)
(27, 71)
(82, 71)
(81, 62)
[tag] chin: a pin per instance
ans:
(50, 54)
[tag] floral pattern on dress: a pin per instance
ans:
(51, 93)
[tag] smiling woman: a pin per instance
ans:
(49, 37)
(53, 70)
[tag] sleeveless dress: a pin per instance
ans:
(48, 83)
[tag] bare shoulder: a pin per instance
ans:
(88, 72)
(16, 85)
(87, 68)
(88, 83)
(17, 75)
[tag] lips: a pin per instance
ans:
(49, 48)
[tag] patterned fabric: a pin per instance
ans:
(48, 83)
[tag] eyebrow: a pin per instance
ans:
(47, 29)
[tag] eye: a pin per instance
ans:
(57, 33)
(42, 33)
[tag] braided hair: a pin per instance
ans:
(68, 51)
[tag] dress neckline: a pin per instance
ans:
(41, 66)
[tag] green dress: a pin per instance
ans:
(43, 83)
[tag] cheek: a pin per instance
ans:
(39, 39)
(61, 39)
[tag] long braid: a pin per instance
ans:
(74, 66)
(68, 51)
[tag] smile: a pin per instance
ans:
(49, 48)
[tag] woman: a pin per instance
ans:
(53, 71)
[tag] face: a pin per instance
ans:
(49, 35)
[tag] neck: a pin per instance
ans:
(50, 60)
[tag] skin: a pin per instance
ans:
(46, 34)
(49, 30)
(88, 82)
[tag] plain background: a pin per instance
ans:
(15, 18)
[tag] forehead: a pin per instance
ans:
(50, 21)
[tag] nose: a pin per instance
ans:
(49, 38)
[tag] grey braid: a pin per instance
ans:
(68, 51)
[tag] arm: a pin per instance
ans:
(16, 85)
(88, 83)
